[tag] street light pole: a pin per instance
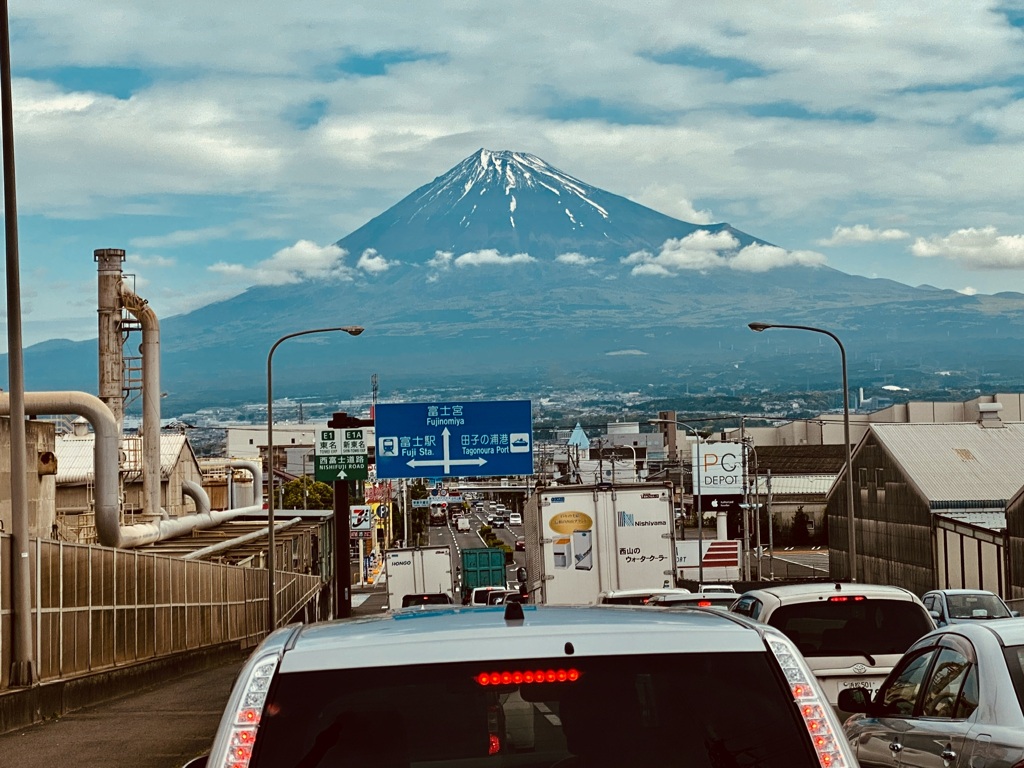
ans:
(851, 529)
(351, 330)
(696, 491)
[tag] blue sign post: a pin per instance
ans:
(456, 439)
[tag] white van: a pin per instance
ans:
(462, 525)
(515, 518)
(852, 635)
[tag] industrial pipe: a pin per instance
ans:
(150, 349)
(106, 470)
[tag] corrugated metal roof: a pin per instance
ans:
(801, 459)
(995, 521)
(75, 456)
(958, 462)
(786, 485)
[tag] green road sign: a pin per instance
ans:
(340, 467)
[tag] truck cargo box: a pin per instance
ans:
(582, 540)
(418, 571)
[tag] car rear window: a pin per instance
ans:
(976, 606)
(701, 710)
(874, 626)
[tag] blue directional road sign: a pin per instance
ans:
(455, 439)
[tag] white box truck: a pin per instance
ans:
(582, 540)
(417, 572)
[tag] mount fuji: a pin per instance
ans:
(507, 269)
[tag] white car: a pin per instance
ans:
(851, 634)
(727, 589)
(636, 596)
(531, 687)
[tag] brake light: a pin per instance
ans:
(847, 599)
(519, 677)
(242, 734)
(703, 603)
(812, 708)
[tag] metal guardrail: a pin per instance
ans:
(95, 608)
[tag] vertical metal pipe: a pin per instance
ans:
(700, 519)
(111, 362)
(22, 672)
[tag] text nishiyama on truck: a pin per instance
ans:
(418, 571)
(582, 540)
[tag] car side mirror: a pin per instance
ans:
(854, 700)
(1015, 614)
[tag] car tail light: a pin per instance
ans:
(813, 709)
(520, 677)
(241, 737)
(847, 599)
(703, 603)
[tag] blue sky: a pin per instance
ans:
(221, 144)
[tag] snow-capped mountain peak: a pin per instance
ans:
(515, 202)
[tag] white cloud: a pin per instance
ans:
(650, 270)
(704, 251)
(973, 248)
(576, 259)
(137, 259)
(861, 233)
(625, 352)
(374, 263)
(441, 260)
(684, 210)
(184, 237)
(968, 291)
(303, 261)
(491, 256)
(761, 258)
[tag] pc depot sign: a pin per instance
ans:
(340, 455)
(718, 469)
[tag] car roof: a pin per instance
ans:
(961, 592)
(453, 633)
(1008, 631)
(695, 597)
(795, 592)
(645, 592)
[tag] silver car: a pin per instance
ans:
(525, 686)
(954, 700)
(955, 606)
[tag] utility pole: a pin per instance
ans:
(342, 528)
(746, 502)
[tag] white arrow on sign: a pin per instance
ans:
(447, 462)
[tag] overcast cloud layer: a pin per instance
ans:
(224, 145)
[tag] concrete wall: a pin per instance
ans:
(40, 487)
